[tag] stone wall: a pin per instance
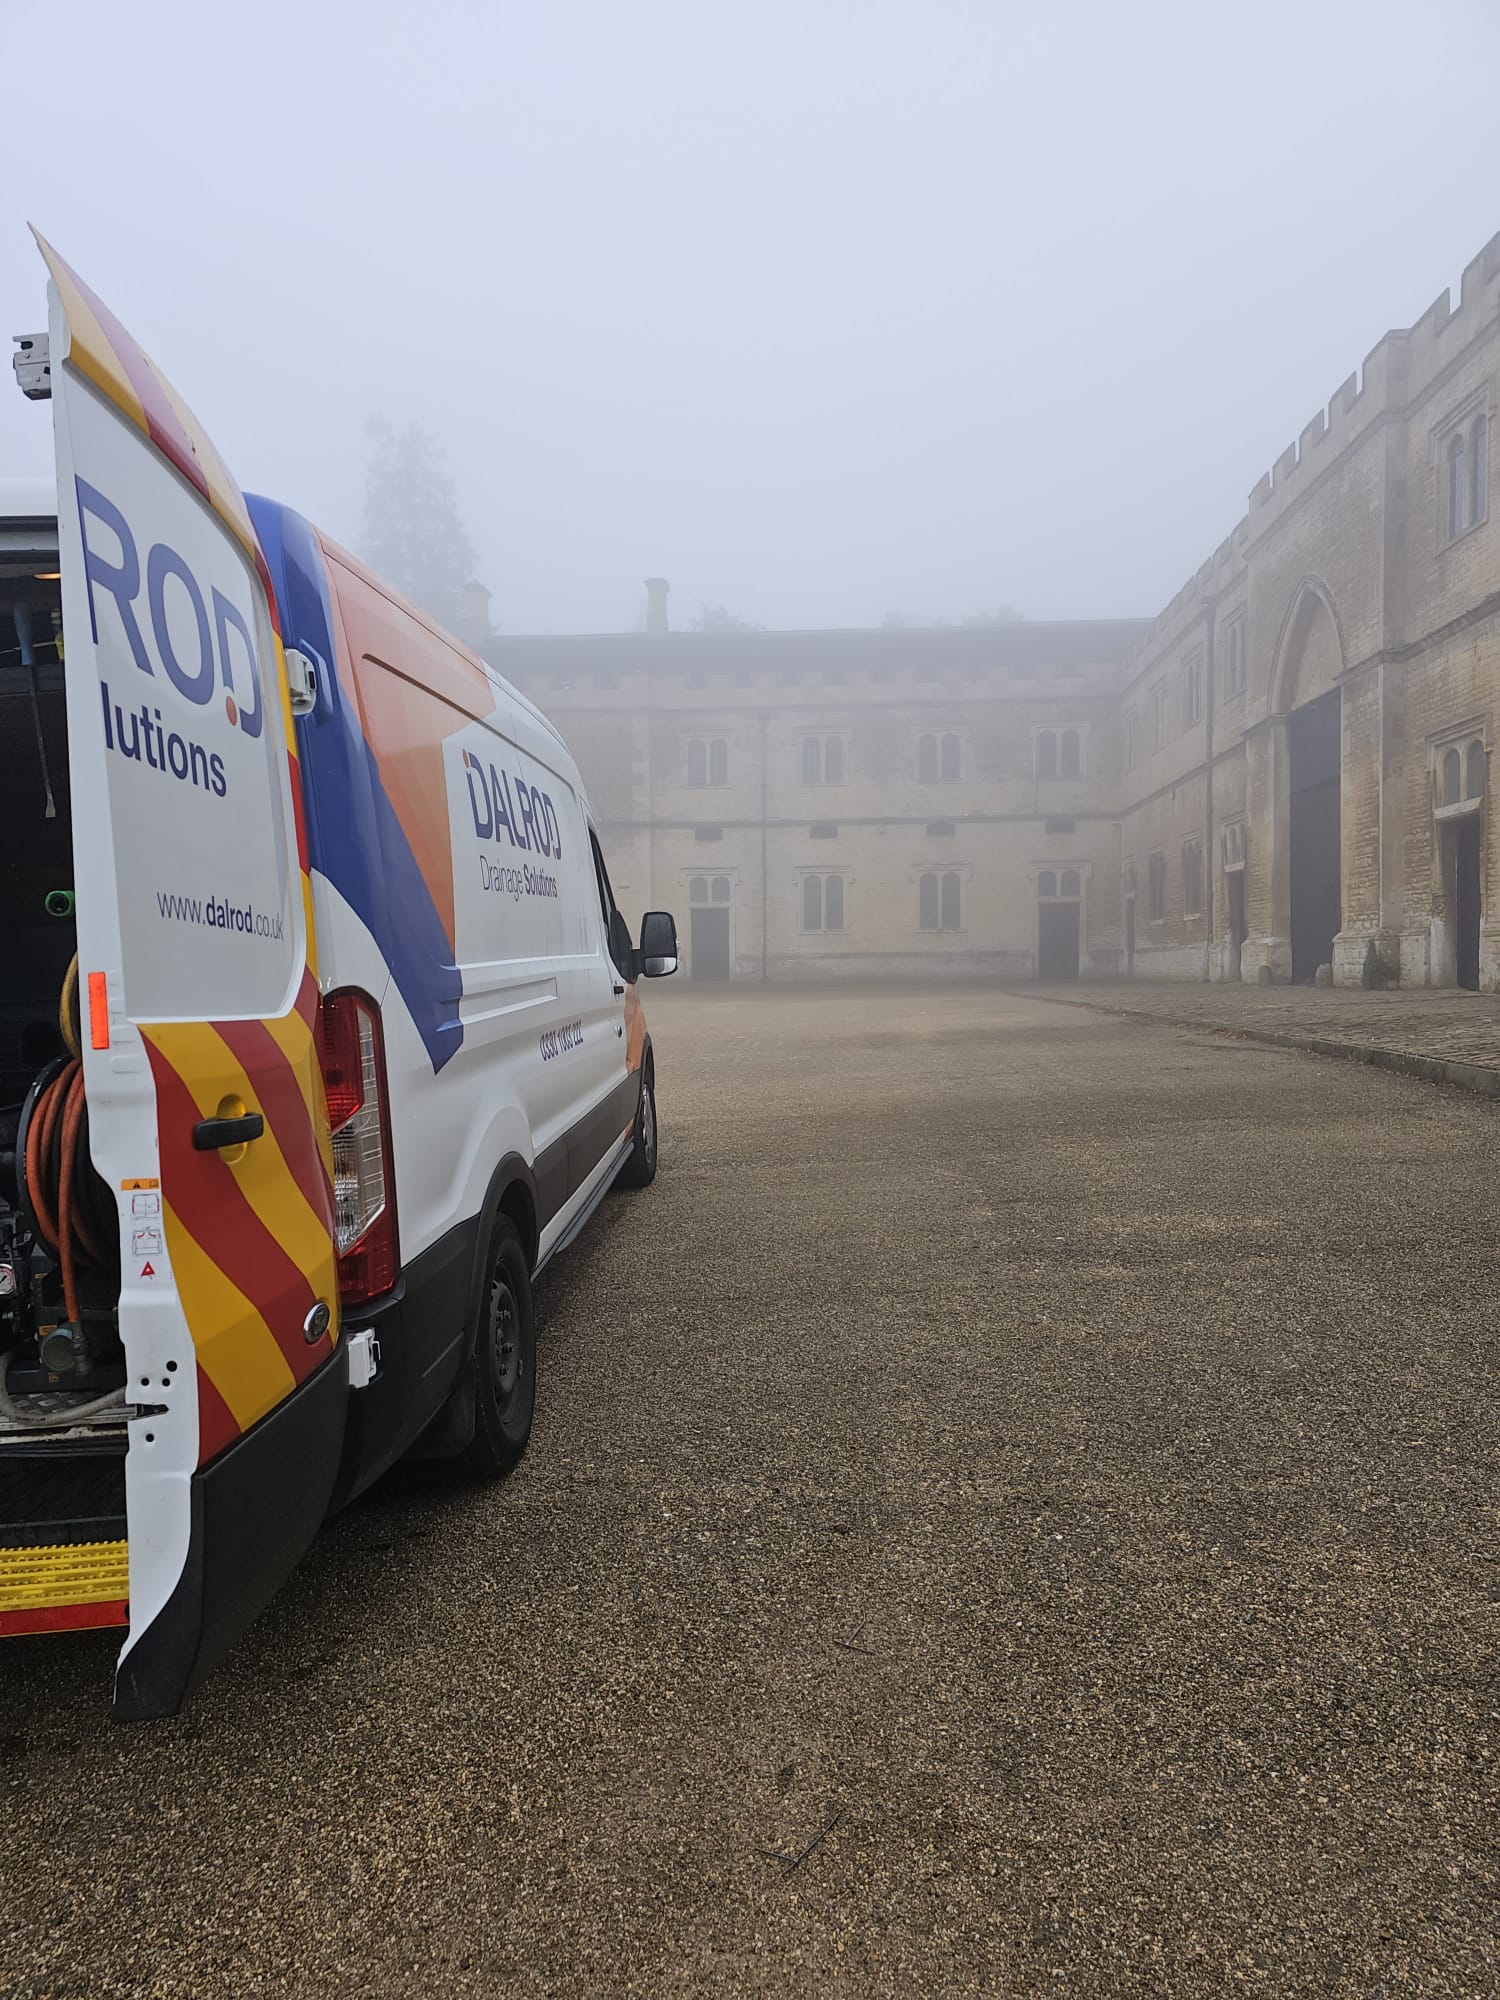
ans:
(1343, 579)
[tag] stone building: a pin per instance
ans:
(1286, 769)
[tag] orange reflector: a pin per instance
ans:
(98, 1012)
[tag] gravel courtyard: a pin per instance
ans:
(1014, 1510)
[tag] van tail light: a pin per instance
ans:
(352, 1050)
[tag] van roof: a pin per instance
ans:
(491, 672)
(28, 520)
(28, 500)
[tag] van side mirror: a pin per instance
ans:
(658, 944)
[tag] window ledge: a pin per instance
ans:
(1463, 534)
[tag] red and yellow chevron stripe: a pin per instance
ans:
(250, 1239)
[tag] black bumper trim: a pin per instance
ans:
(255, 1511)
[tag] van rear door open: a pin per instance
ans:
(207, 1112)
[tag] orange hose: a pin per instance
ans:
(82, 1221)
(64, 1229)
(68, 1241)
(38, 1139)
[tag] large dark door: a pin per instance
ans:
(1235, 883)
(710, 944)
(1466, 899)
(1130, 937)
(1316, 913)
(1057, 941)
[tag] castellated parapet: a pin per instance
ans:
(1397, 371)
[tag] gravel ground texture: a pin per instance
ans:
(1012, 1511)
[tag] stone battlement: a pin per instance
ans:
(1397, 371)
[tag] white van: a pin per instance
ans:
(319, 1030)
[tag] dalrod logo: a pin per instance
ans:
(141, 734)
(525, 812)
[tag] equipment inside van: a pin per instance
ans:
(319, 1028)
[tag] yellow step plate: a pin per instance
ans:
(64, 1588)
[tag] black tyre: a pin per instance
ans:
(640, 1169)
(504, 1362)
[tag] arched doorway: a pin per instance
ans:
(1305, 687)
(1316, 912)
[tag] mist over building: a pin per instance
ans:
(1284, 770)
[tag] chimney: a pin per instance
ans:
(476, 614)
(656, 607)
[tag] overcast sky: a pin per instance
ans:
(820, 309)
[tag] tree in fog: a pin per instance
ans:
(413, 536)
(1006, 615)
(719, 618)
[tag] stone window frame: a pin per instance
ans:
(1130, 739)
(1193, 845)
(1048, 880)
(811, 871)
(1235, 676)
(1234, 843)
(1058, 731)
(710, 878)
(965, 872)
(707, 744)
(1192, 688)
(1159, 714)
(1462, 741)
(1468, 427)
(940, 739)
(822, 738)
(1156, 872)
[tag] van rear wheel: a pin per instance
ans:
(504, 1360)
(640, 1169)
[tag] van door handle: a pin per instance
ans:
(618, 991)
(210, 1134)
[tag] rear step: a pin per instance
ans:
(63, 1550)
(66, 1588)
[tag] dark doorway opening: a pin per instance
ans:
(1234, 883)
(1130, 937)
(1316, 910)
(1466, 899)
(1057, 941)
(710, 944)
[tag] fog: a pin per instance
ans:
(820, 312)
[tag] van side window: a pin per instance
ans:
(616, 930)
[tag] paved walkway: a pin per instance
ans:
(1444, 1036)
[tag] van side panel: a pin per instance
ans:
(497, 834)
(453, 881)
(359, 848)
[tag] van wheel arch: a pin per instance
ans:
(638, 1169)
(512, 1193)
